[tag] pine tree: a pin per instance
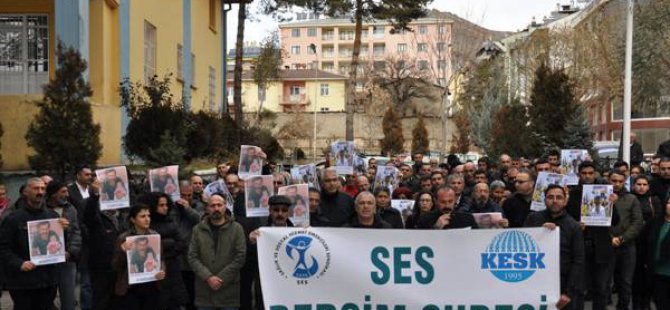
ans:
(509, 131)
(420, 143)
(63, 134)
(393, 140)
(552, 105)
(577, 132)
(461, 140)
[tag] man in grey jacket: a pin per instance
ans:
(216, 254)
(57, 200)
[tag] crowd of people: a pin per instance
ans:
(208, 251)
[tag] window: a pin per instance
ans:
(149, 50)
(295, 90)
(295, 49)
(24, 59)
(212, 89)
(423, 29)
(311, 32)
(295, 33)
(423, 65)
(441, 29)
(328, 66)
(325, 90)
(653, 107)
(422, 47)
(378, 50)
(364, 33)
(440, 46)
(442, 64)
(402, 47)
(347, 34)
(180, 72)
(327, 35)
(378, 31)
(212, 15)
(359, 86)
(649, 138)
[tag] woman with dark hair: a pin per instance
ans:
(651, 207)
(424, 204)
(658, 256)
(402, 192)
(173, 291)
(138, 296)
(384, 209)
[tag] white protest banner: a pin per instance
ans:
(144, 258)
(305, 174)
(596, 209)
(46, 240)
(251, 161)
(342, 152)
(298, 211)
(257, 192)
(544, 179)
(114, 191)
(165, 180)
(387, 177)
(345, 269)
(570, 161)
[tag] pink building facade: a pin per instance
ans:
(425, 51)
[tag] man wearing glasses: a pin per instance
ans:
(517, 207)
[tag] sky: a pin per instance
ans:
(506, 15)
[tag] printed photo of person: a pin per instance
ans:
(257, 191)
(114, 188)
(299, 209)
(596, 205)
(544, 179)
(251, 161)
(305, 174)
(144, 258)
(165, 180)
(342, 152)
(47, 242)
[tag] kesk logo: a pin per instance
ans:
(513, 256)
(302, 255)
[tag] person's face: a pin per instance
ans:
(481, 178)
(365, 207)
(418, 158)
(162, 174)
(523, 184)
(553, 160)
(505, 161)
(251, 152)
(186, 193)
(555, 201)
(406, 171)
(162, 207)
(223, 169)
(279, 214)
(35, 192)
(469, 170)
(141, 247)
(425, 169)
(542, 167)
(363, 184)
(623, 169)
(655, 169)
(278, 181)
(425, 203)
(634, 172)
(232, 182)
(446, 201)
(481, 193)
(458, 170)
(142, 220)
(331, 184)
(216, 207)
(498, 193)
(587, 175)
(641, 186)
(481, 165)
(525, 164)
(43, 231)
(512, 173)
(426, 185)
(383, 199)
(372, 163)
(85, 176)
(434, 163)
(257, 184)
(516, 163)
(457, 185)
(437, 179)
(314, 200)
(664, 169)
(61, 195)
(197, 184)
(111, 177)
(617, 181)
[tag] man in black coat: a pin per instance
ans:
(336, 208)
(517, 207)
(661, 186)
(572, 244)
(29, 285)
(445, 217)
(79, 193)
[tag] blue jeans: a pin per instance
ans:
(66, 283)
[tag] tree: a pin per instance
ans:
(239, 56)
(398, 12)
(510, 133)
(420, 142)
(393, 141)
(63, 134)
(577, 132)
(404, 83)
(211, 136)
(552, 105)
(267, 66)
(461, 141)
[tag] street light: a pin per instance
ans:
(628, 81)
(312, 47)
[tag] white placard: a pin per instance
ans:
(544, 179)
(596, 207)
(298, 211)
(251, 161)
(114, 189)
(165, 180)
(342, 154)
(257, 192)
(570, 161)
(305, 174)
(46, 240)
(144, 258)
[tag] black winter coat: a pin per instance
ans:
(337, 209)
(516, 210)
(103, 230)
(458, 220)
(391, 216)
(173, 291)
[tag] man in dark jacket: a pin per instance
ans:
(57, 200)
(384, 209)
(78, 195)
(186, 218)
(445, 217)
(30, 286)
(517, 207)
(105, 227)
(336, 208)
(481, 203)
(661, 186)
(636, 153)
(366, 213)
(572, 244)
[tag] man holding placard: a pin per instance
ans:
(30, 286)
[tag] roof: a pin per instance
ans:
(249, 52)
(349, 21)
(294, 75)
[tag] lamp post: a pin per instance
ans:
(628, 82)
(316, 96)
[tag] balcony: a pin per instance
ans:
(328, 36)
(293, 103)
